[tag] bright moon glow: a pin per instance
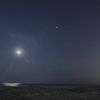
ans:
(18, 52)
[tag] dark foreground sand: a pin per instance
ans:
(49, 93)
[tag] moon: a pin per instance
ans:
(19, 51)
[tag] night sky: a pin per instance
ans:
(60, 41)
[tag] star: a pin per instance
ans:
(57, 27)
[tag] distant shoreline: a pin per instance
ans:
(50, 85)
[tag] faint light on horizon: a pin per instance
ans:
(11, 84)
